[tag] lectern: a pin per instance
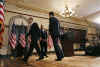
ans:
(70, 37)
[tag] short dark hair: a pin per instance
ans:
(35, 27)
(51, 13)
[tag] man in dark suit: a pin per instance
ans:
(54, 31)
(35, 37)
(43, 43)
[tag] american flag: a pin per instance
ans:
(2, 11)
(12, 37)
(50, 41)
(22, 40)
(1, 21)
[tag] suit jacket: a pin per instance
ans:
(54, 26)
(35, 34)
(43, 34)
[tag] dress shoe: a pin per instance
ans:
(46, 56)
(59, 59)
(39, 59)
(24, 60)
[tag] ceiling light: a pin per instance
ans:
(67, 12)
(97, 20)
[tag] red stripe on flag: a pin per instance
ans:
(12, 40)
(1, 13)
(2, 20)
(1, 5)
(22, 40)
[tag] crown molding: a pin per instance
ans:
(45, 11)
(27, 7)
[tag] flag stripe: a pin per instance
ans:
(22, 40)
(2, 12)
(1, 18)
(12, 37)
(1, 5)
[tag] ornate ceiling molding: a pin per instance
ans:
(20, 4)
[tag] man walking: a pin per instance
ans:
(43, 43)
(54, 31)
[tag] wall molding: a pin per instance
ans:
(43, 18)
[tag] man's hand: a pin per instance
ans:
(38, 43)
(40, 38)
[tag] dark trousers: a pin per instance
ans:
(19, 50)
(26, 50)
(62, 43)
(58, 50)
(43, 49)
(32, 46)
(13, 52)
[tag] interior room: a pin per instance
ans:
(77, 33)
